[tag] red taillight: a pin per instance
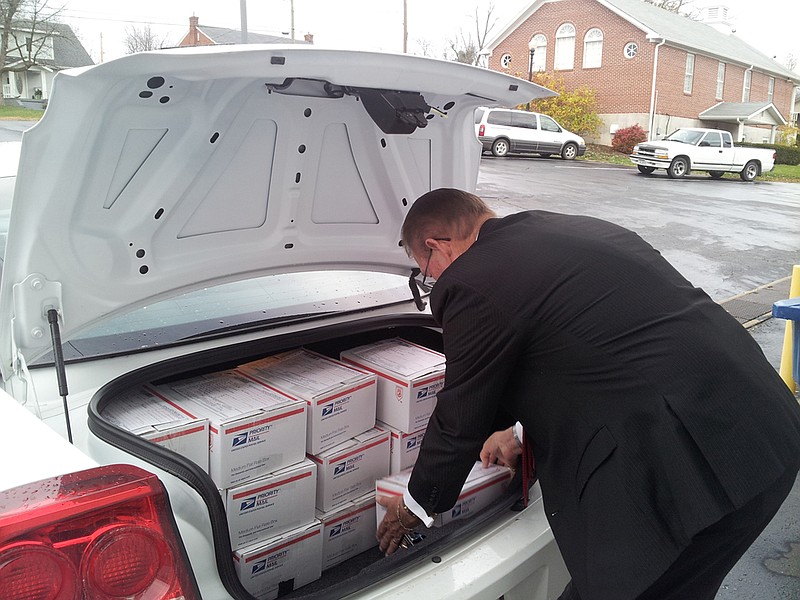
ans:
(37, 572)
(481, 130)
(97, 534)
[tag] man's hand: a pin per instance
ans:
(396, 523)
(502, 448)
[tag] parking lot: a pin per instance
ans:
(725, 236)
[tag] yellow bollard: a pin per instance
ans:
(786, 356)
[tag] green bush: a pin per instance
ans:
(626, 138)
(784, 155)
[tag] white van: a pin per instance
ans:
(504, 131)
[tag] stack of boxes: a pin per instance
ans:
(409, 377)
(293, 445)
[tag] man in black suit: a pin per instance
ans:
(664, 441)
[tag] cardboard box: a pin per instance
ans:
(340, 399)
(404, 447)
(271, 505)
(253, 429)
(348, 530)
(142, 412)
(482, 487)
(349, 469)
(281, 564)
(409, 376)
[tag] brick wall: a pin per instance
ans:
(623, 86)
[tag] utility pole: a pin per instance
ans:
(243, 11)
(405, 26)
(291, 7)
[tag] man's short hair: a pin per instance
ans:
(441, 213)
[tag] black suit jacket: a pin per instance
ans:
(652, 412)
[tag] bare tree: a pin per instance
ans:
(142, 40)
(25, 38)
(465, 48)
(790, 61)
(676, 6)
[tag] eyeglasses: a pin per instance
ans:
(430, 254)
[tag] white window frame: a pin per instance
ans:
(505, 60)
(771, 89)
(564, 59)
(688, 77)
(630, 50)
(593, 49)
(748, 78)
(539, 45)
(720, 80)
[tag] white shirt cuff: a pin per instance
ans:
(518, 431)
(415, 508)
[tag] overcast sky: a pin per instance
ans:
(772, 26)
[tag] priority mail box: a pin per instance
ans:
(404, 447)
(142, 412)
(350, 469)
(281, 564)
(253, 429)
(409, 377)
(482, 487)
(272, 504)
(348, 530)
(340, 399)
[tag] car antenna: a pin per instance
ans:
(61, 372)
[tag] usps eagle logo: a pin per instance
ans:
(259, 566)
(239, 440)
(327, 410)
(339, 469)
(247, 504)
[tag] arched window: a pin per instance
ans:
(565, 47)
(593, 49)
(505, 61)
(538, 44)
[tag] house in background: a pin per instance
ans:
(651, 67)
(207, 36)
(54, 46)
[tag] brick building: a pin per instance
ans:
(651, 67)
(207, 36)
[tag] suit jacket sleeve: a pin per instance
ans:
(482, 344)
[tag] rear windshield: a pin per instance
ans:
(234, 307)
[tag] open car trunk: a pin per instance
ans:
(357, 573)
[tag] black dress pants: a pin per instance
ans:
(699, 570)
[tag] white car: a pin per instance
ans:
(504, 131)
(181, 212)
(698, 149)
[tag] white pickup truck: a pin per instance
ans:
(697, 149)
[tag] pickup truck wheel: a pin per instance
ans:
(645, 169)
(750, 171)
(678, 168)
(716, 174)
(500, 147)
(569, 151)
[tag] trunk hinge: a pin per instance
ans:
(37, 307)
